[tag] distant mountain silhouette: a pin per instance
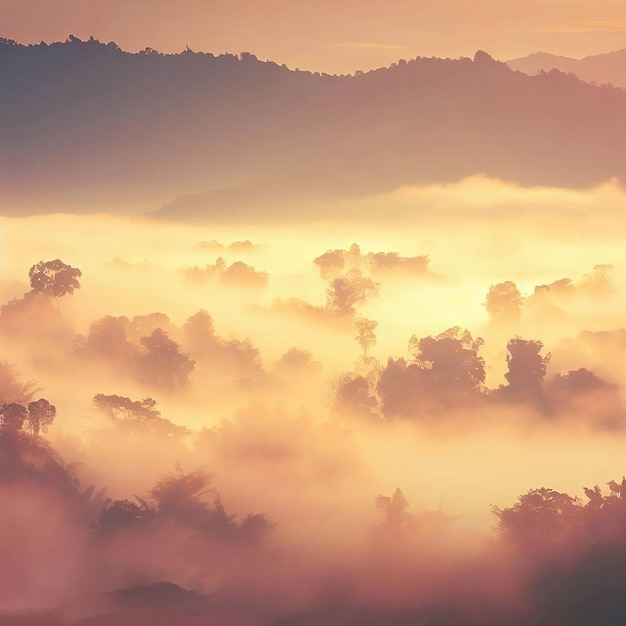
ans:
(601, 69)
(88, 127)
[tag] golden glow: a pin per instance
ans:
(338, 36)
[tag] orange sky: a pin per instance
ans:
(329, 35)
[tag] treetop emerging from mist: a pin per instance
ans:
(38, 416)
(54, 278)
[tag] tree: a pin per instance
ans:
(539, 519)
(450, 360)
(54, 278)
(41, 414)
(220, 266)
(162, 362)
(199, 333)
(12, 417)
(136, 417)
(354, 397)
(365, 335)
(347, 292)
(504, 301)
(446, 372)
(108, 338)
(395, 510)
(182, 497)
(122, 514)
(598, 282)
(354, 256)
(241, 274)
(330, 263)
(526, 367)
(401, 525)
(400, 389)
(254, 528)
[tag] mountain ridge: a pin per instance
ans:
(602, 69)
(90, 127)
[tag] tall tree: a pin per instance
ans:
(526, 367)
(162, 362)
(136, 417)
(451, 360)
(347, 292)
(41, 414)
(12, 416)
(504, 301)
(365, 335)
(54, 278)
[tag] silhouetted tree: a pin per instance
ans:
(34, 317)
(385, 262)
(296, 362)
(108, 338)
(199, 333)
(41, 414)
(446, 372)
(504, 301)
(183, 498)
(598, 282)
(254, 528)
(347, 292)
(365, 335)
(137, 417)
(584, 392)
(23, 456)
(122, 514)
(451, 360)
(395, 510)
(541, 519)
(354, 397)
(526, 368)
(143, 325)
(239, 273)
(331, 263)
(54, 278)
(12, 416)
(182, 495)
(401, 526)
(162, 362)
(400, 389)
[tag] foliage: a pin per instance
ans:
(334, 263)
(354, 397)
(141, 347)
(41, 414)
(526, 367)
(136, 417)
(451, 359)
(347, 292)
(12, 416)
(122, 514)
(54, 278)
(161, 362)
(504, 300)
(540, 517)
(364, 334)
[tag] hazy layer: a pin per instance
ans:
(277, 443)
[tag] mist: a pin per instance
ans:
(318, 420)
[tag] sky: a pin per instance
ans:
(335, 36)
